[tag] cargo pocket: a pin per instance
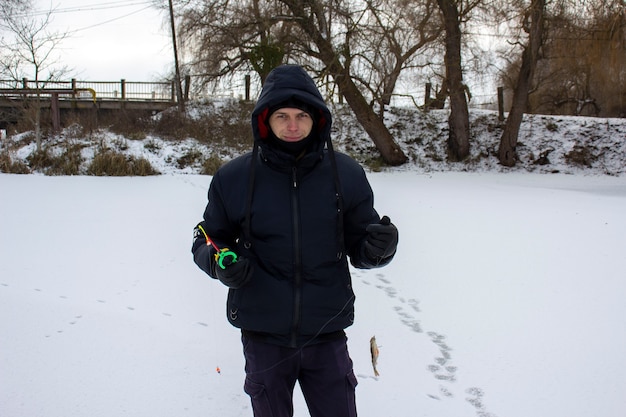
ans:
(260, 403)
(351, 384)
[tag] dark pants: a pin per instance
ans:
(324, 371)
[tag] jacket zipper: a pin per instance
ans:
(297, 279)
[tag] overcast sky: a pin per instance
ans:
(111, 40)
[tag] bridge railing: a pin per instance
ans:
(105, 90)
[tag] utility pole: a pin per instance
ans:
(179, 89)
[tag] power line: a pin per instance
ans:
(93, 7)
(87, 8)
(102, 6)
(109, 21)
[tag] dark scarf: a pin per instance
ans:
(292, 148)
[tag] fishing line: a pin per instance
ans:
(308, 342)
(225, 257)
(216, 356)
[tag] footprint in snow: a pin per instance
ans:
(443, 369)
(391, 292)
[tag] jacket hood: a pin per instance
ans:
(284, 83)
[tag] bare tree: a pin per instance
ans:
(389, 41)
(453, 12)
(583, 60)
(259, 35)
(225, 38)
(580, 70)
(28, 53)
(533, 25)
(311, 18)
(8, 10)
(10, 7)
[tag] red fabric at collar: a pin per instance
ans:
(263, 129)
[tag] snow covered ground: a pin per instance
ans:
(506, 299)
(546, 144)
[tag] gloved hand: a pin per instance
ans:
(382, 240)
(236, 274)
(198, 236)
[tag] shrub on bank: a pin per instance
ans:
(9, 166)
(116, 164)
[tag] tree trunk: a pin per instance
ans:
(373, 125)
(458, 121)
(507, 153)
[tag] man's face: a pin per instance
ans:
(291, 124)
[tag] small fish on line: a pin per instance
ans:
(374, 351)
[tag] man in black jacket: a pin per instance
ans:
(279, 228)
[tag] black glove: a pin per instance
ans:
(198, 236)
(236, 274)
(382, 240)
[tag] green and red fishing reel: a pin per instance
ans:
(223, 256)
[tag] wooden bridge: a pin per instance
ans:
(84, 96)
(74, 94)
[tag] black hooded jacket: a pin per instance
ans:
(297, 219)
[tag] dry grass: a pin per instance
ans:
(115, 164)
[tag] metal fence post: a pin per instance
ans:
(500, 103)
(247, 87)
(55, 112)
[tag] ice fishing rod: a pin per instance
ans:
(224, 256)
